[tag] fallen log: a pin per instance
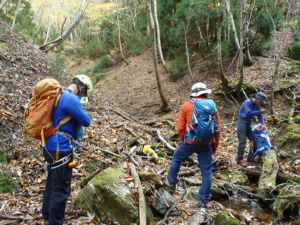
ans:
(119, 113)
(134, 134)
(267, 179)
(173, 134)
(281, 177)
(142, 202)
(151, 122)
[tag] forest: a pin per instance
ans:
(143, 57)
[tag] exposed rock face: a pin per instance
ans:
(224, 218)
(106, 195)
(234, 176)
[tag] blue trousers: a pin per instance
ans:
(58, 189)
(244, 132)
(204, 152)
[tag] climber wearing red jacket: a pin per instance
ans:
(204, 150)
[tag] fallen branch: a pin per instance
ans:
(13, 217)
(188, 173)
(146, 130)
(291, 60)
(164, 141)
(132, 133)
(156, 178)
(2, 207)
(76, 213)
(119, 113)
(109, 152)
(150, 122)
(142, 202)
(171, 124)
(135, 162)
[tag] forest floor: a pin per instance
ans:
(128, 90)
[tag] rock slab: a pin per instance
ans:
(106, 195)
(224, 218)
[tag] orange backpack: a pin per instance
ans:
(38, 115)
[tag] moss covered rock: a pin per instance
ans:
(224, 218)
(217, 194)
(4, 159)
(234, 176)
(7, 184)
(297, 119)
(105, 194)
(288, 206)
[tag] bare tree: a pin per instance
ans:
(222, 76)
(278, 55)
(248, 16)
(49, 22)
(158, 36)
(3, 3)
(121, 50)
(237, 45)
(241, 55)
(66, 33)
(16, 13)
(199, 29)
(159, 86)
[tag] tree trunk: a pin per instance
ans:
(16, 13)
(267, 179)
(229, 21)
(278, 57)
(237, 45)
(49, 22)
(158, 36)
(187, 49)
(222, 76)
(66, 33)
(241, 54)
(120, 33)
(3, 3)
(148, 29)
(159, 86)
(249, 61)
(200, 33)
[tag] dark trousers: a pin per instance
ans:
(204, 152)
(58, 189)
(244, 132)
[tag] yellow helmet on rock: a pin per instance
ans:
(86, 81)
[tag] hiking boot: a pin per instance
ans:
(242, 162)
(172, 187)
(203, 206)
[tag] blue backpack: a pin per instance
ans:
(204, 126)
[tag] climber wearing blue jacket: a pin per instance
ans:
(250, 108)
(58, 185)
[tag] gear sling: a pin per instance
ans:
(38, 114)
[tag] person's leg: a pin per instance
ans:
(61, 190)
(205, 161)
(249, 136)
(242, 136)
(46, 197)
(183, 152)
(47, 192)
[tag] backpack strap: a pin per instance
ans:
(62, 122)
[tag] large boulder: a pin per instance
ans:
(196, 219)
(192, 195)
(105, 194)
(224, 218)
(234, 176)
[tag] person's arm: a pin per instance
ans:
(217, 138)
(261, 118)
(181, 123)
(249, 112)
(73, 106)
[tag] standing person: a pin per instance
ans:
(249, 109)
(58, 185)
(193, 144)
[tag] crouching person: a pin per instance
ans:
(58, 148)
(199, 129)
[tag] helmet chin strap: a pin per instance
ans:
(78, 91)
